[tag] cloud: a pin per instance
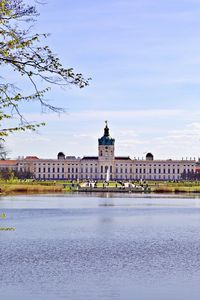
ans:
(189, 134)
(135, 132)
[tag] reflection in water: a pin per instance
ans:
(106, 202)
(79, 247)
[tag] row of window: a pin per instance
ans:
(87, 165)
(116, 165)
(86, 170)
(43, 176)
(53, 170)
(52, 164)
(120, 177)
(159, 171)
(48, 164)
(162, 165)
(158, 177)
(150, 171)
(125, 171)
(104, 170)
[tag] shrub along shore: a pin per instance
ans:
(32, 186)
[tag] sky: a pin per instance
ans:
(144, 60)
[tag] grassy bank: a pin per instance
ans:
(34, 186)
(26, 188)
(175, 187)
(171, 189)
(39, 187)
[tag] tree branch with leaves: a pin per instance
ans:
(22, 52)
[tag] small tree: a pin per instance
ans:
(21, 51)
(23, 174)
(184, 175)
(6, 174)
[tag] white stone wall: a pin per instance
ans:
(118, 169)
(162, 169)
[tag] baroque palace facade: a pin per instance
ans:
(100, 167)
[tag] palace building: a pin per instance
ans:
(104, 166)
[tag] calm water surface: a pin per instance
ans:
(100, 247)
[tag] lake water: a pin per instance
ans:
(100, 247)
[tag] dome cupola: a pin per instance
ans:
(149, 156)
(106, 139)
(61, 155)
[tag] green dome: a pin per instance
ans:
(106, 139)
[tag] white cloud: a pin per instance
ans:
(135, 132)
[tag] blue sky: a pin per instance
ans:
(144, 60)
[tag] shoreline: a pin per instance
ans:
(10, 188)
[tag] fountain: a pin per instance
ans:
(107, 175)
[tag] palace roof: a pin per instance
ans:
(122, 158)
(8, 162)
(89, 157)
